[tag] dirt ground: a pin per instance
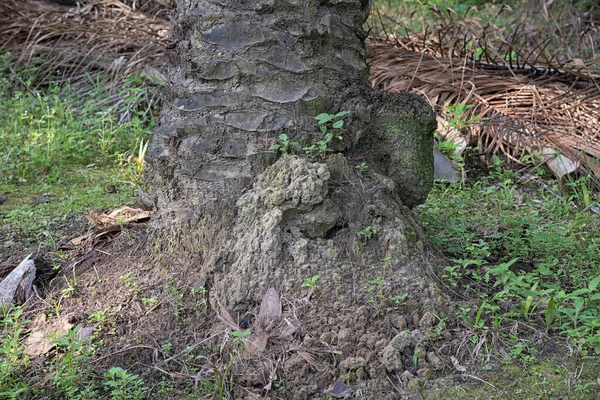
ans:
(155, 320)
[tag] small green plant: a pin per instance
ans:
(66, 292)
(140, 158)
(581, 189)
(100, 317)
(13, 360)
(149, 301)
(331, 127)
(362, 167)
(239, 335)
(285, 145)
(175, 297)
(399, 299)
(415, 357)
(455, 115)
(374, 287)
(130, 281)
(311, 282)
(369, 232)
(72, 370)
(123, 385)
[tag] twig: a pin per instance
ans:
(480, 380)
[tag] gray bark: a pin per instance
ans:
(234, 218)
(242, 72)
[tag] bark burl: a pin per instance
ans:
(241, 73)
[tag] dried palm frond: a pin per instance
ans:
(105, 35)
(519, 109)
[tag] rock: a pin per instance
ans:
(392, 354)
(353, 363)
(413, 385)
(361, 373)
(399, 322)
(402, 145)
(391, 359)
(326, 337)
(434, 360)
(444, 169)
(143, 201)
(344, 335)
(340, 390)
(401, 341)
(369, 340)
(3, 199)
(427, 320)
(416, 336)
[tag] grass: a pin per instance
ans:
(520, 253)
(62, 156)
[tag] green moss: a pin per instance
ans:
(404, 130)
(546, 380)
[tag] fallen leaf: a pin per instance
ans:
(43, 333)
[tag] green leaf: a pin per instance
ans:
(338, 124)
(594, 283)
(579, 292)
(283, 137)
(242, 334)
(324, 118)
(341, 114)
(550, 312)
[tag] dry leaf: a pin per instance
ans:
(44, 332)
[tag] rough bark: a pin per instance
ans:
(243, 72)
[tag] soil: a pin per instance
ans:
(158, 322)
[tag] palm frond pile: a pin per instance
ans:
(522, 101)
(105, 35)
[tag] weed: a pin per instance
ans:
(130, 282)
(369, 232)
(239, 335)
(455, 115)
(285, 146)
(311, 282)
(12, 357)
(519, 254)
(123, 385)
(149, 301)
(362, 167)
(399, 299)
(331, 127)
(374, 287)
(66, 292)
(72, 370)
(175, 297)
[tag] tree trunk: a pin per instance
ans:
(230, 213)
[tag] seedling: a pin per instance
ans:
(285, 146)
(331, 127)
(369, 232)
(311, 282)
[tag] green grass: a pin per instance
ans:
(520, 253)
(64, 154)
